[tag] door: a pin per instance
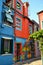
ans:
(18, 52)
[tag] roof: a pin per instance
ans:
(35, 22)
(40, 12)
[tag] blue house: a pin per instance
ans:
(6, 33)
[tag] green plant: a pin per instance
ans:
(39, 37)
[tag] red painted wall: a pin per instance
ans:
(25, 9)
(20, 11)
(24, 33)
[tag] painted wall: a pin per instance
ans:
(0, 10)
(32, 24)
(0, 44)
(40, 16)
(8, 30)
(24, 32)
(25, 9)
(5, 31)
(1, 6)
(37, 51)
(20, 40)
(20, 11)
(6, 59)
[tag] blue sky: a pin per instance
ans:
(34, 7)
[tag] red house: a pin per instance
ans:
(23, 28)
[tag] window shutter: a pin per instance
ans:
(11, 46)
(2, 46)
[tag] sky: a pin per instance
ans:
(35, 6)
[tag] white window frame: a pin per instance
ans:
(20, 6)
(31, 29)
(19, 25)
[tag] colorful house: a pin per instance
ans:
(21, 30)
(33, 27)
(6, 33)
(36, 44)
(40, 16)
(15, 28)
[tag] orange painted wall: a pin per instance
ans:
(24, 33)
(20, 11)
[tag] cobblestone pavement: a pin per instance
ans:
(38, 62)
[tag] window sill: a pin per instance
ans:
(7, 25)
(6, 54)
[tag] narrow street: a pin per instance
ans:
(38, 62)
(34, 61)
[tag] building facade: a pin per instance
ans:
(21, 31)
(36, 44)
(40, 17)
(15, 28)
(6, 33)
(33, 27)
(24, 27)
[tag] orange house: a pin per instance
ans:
(19, 19)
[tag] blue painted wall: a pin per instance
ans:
(21, 40)
(5, 31)
(0, 44)
(1, 6)
(0, 10)
(6, 59)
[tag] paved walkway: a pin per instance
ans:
(38, 62)
(33, 61)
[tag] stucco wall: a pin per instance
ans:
(20, 40)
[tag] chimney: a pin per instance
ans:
(25, 8)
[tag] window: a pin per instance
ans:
(7, 15)
(9, 3)
(18, 24)
(18, 5)
(30, 29)
(36, 28)
(42, 24)
(6, 46)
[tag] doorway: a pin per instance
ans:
(18, 51)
